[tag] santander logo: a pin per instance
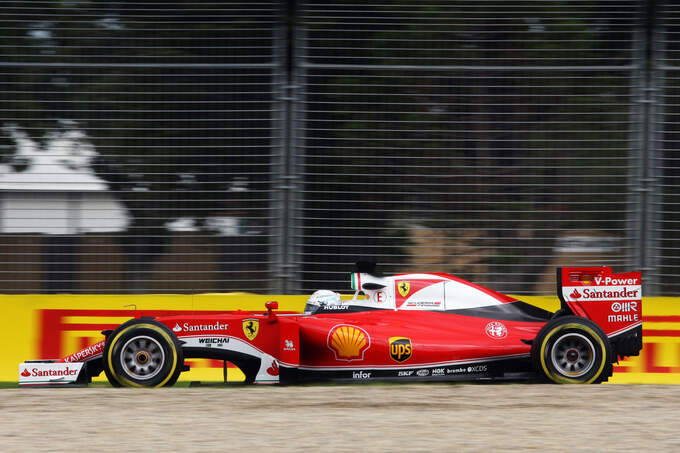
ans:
(49, 373)
(187, 327)
(575, 294)
(274, 369)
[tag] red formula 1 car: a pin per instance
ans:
(404, 327)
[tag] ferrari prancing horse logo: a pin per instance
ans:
(250, 328)
(404, 288)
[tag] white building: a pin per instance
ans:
(53, 189)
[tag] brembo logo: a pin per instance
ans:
(186, 327)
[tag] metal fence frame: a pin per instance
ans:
(292, 67)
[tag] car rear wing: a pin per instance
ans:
(612, 301)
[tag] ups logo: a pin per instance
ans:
(400, 349)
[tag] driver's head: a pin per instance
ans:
(320, 299)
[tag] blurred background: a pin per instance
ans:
(199, 146)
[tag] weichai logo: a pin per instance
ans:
(401, 349)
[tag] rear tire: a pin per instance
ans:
(572, 350)
(142, 353)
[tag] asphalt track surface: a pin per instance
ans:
(352, 418)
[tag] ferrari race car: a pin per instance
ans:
(402, 328)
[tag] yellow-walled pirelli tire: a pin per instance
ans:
(572, 350)
(142, 353)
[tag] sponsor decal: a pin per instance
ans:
(218, 341)
(404, 288)
(89, 352)
(334, 307)
(405, 373)
(34, 372)
(496, 330)
(187, 327)
(360, 375)
(251, 327)
(423, 304)
(575, 294)
(288, 345)
(423, 373)
(623, 318)
(622, 293)
(469, 369)
(379, 297)
(610, 281)
(624, 307)
(348, 342)
(273, 370)
(400, 349)
(438, 372)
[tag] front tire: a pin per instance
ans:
(572, 350)
(142, 353)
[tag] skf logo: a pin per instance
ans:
(250, 328)
(348, 342)
(404, 288)
(400, 349)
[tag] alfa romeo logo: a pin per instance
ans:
(496, 330)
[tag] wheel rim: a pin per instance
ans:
(142, 357)
(573, 355)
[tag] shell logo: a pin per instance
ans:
(348, 342)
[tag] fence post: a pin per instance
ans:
(286, 183)
(646, 177)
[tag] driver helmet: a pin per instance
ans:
(320, 299)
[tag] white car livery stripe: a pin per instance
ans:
(417, 365)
